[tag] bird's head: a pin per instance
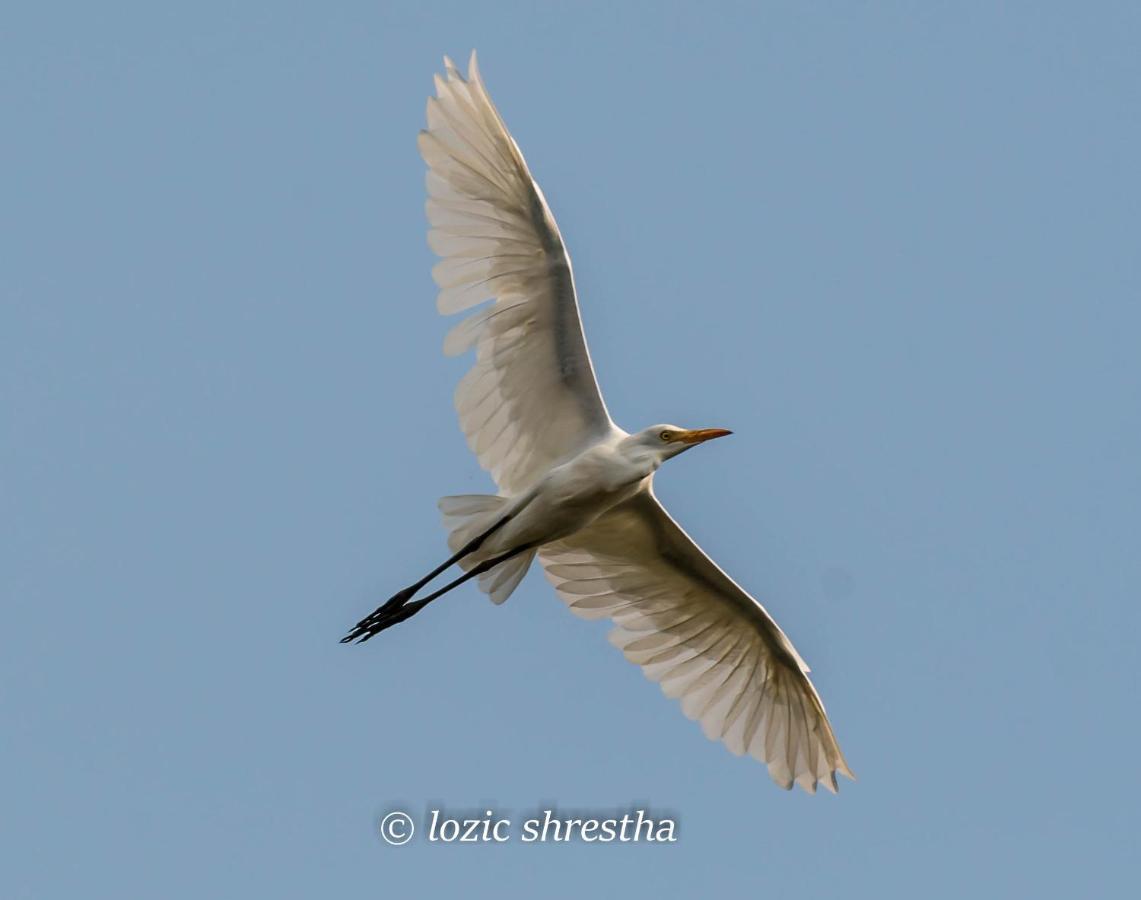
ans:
(667, 441)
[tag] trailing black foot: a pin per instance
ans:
(386, 616)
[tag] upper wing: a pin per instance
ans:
(531, 398)
(692, 628)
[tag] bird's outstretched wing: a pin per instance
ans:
(531, 398)
(694, 630)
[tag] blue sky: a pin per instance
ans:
(894, 247)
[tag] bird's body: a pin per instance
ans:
(576, 490)
(573, 495)
(576, 493)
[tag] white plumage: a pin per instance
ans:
(531, 398)
(700, 636)
(575, 488)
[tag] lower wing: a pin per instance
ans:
(701, 636)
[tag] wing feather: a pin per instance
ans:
(701, 637)
(531, 398)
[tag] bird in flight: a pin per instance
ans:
(576, 490)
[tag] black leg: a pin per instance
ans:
(387, 616)
(400, 598)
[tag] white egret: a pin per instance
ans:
(575, 489)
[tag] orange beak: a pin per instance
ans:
(701, 435)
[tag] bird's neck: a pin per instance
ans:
(642, 460)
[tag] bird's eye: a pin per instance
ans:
(666, 436)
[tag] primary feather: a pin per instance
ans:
(531, 398)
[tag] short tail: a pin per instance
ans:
(467, 516)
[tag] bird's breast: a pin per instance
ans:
(571, 497)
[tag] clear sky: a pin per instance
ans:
(894, 247)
